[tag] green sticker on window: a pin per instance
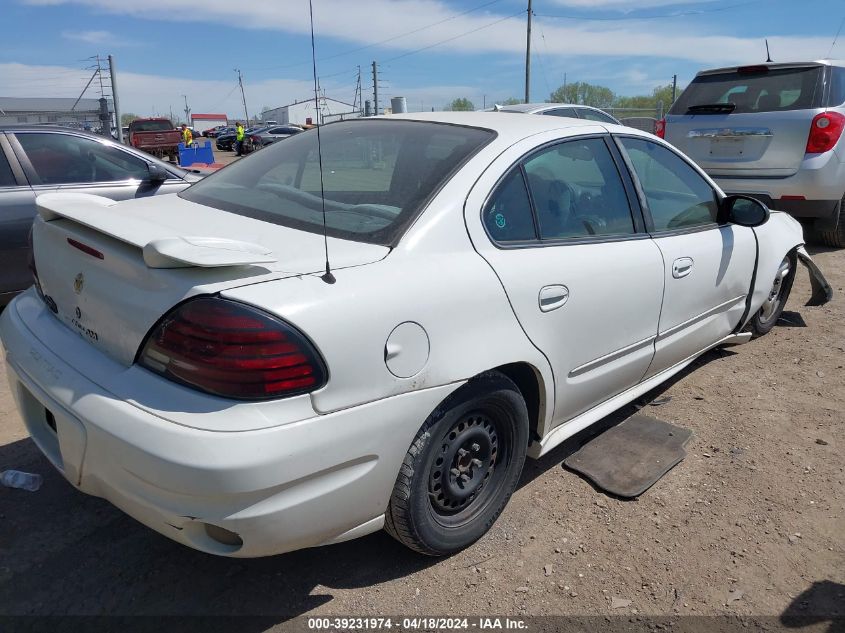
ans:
(500, 220)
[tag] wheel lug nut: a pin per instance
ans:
(455, 472)
(476, 463)
(475, 447)
(461, 452)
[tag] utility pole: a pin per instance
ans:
(243, 96)
(375, 88)
(528, 57)
(674, 86)
(113, 78)
(356, 101)
(187, 110)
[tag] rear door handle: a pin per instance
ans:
(682, 267)
(553, 297)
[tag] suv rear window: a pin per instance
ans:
(773, 90)
(377, 177)
(151, 126)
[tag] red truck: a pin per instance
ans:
(155, 136)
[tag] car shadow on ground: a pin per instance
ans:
(65, 553)
(822, 603)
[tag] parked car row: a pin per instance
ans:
(773, 131)
(249, 374)
(37, 159)
(257, 137)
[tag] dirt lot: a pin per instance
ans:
(750, 523)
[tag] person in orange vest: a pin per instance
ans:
(187, 136)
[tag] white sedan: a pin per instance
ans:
(496, 285)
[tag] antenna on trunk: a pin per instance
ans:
(768, 56)
(328, 277)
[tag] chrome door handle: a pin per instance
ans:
(682, 267)
(553, 297)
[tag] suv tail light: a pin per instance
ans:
(660, 128)
(232, 350)
(825, 131)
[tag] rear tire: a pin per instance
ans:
(461, 469)
(836, 236)
(766, 317)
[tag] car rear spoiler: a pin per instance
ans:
(159, 249)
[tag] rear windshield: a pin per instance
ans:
(151, 126)
(377, 176)
(768, 91)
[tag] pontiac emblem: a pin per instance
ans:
(78, 283)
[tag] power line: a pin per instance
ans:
(451, 39)
(389, 39)
(836, 37)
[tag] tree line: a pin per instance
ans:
(584, 93)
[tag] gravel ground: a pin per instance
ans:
(749, 524)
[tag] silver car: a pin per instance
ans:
(773, 131)
(38, 159)
(571, 110)
(271, 134)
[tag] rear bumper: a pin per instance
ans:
(820, 180)
(321, 479)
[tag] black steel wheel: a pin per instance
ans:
(461, 469)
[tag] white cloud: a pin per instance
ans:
(478, 32)
(99, 38)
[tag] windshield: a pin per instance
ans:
(772, 90)
(377, 176)
(151, 126)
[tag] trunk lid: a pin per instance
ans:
(112, 270)
(748, 121)
(766, 144)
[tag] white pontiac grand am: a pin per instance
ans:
(498, 284)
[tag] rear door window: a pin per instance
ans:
(754, 90)
(570, 112)
(595, 115)
(7, 178)
(66, 159)
(577, 191)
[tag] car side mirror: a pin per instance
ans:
(743, 210)
(157, 173)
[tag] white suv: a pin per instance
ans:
(773, 131)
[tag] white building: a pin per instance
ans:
(305, 112)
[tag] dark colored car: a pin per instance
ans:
(226, 141)
(38, 159)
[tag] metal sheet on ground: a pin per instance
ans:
(631, 457)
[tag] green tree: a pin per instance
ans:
(583, 93)
(461, 104)
(511, 101)
(127, 118)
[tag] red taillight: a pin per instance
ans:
(825, 131)
(660, 128)
(232, 350)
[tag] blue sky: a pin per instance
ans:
(429, 51)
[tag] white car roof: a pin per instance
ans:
(513, 128)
